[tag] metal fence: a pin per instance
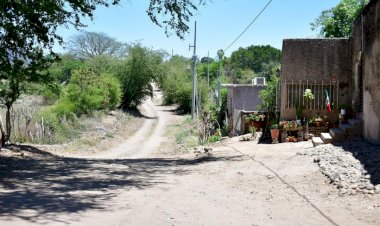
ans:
(294, 90)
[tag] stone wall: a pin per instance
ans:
(315, 59)
(369, 65)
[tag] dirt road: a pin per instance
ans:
(150, 135)
(242, 183)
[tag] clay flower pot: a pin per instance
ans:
(274, 134)
(257, 124)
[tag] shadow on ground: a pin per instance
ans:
(137, 113)
(54, 185)
(369, 156)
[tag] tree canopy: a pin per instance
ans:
(173, 14)
(337, 21)
(91, 44)
(27, 29)
(254, 56)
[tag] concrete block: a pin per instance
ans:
(326, 138)
(317, 141)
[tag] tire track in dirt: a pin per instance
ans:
(148, 138)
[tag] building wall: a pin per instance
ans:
(354, 62)
(242, 98)
(315, 59)
(370, 57)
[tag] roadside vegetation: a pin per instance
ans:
(100, 74)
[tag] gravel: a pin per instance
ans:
(352, 167)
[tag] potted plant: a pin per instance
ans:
(318, 121)
(274, 131)
(309, 96)
(256, 120)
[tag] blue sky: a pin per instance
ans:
(218, 24)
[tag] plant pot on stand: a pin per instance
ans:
(275, 132)
(257, 124)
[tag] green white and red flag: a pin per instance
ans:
(328, 104)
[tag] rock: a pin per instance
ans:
(343, 184)
(377, 187)
(335, 176)
(342, 192)
(346, 172)
(112, 113)
(101, 130)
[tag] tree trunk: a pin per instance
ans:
(2, 131)
(8, 127)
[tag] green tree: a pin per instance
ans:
(26, 28)
(103, 64)
(213, 70)
(136, 74)
(269, 69)
(173, 14)
(337, 21)
(242, 76)
(177, 73)
(253, 57)
(88, 91)
(62, 69)
(205, 60)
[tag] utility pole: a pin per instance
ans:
(194, 71)
(208, 68)
(220, 56)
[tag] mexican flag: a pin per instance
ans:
(328, 104)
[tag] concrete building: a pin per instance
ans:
(348, 69)
(241, 99)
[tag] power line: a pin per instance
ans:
(248, 25)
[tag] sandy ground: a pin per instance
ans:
(242, 183)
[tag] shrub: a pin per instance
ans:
(183, 94)
(88, 92)
(136, 74)
(55, 129)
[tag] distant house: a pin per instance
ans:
(348, 69)
(242, 99)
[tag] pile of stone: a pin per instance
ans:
(347, 166)
(202, 151)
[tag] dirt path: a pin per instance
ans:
(150, 135)
(241, 184)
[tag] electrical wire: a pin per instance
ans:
(258, 15)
